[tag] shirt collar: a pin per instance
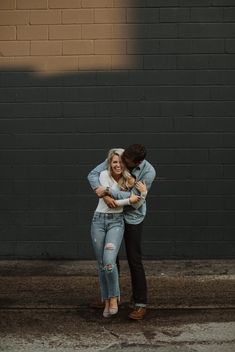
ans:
(140, 166)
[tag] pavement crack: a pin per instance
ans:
(120, 340)
(111, 332)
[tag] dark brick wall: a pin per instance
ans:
(177, 99)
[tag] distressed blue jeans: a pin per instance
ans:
(106, 233)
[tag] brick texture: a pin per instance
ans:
(31, 4)
(45, 17)
(84, 47)
(78, 77)
(67, 32)
(7, 33)
(97, 31)
(14, 17)
(14, 48)
(86, 27)
(78, 16)
(68, 4)
(46, 48)
(110, 15)
(110, 47)
(95, 4)
(32, 33)
(95, 62)
(7, 5)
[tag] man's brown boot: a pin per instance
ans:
(138, 313)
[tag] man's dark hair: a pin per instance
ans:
(135, 152)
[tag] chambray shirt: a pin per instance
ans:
(143, 172)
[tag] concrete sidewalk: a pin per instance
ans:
(44, 307)
(71, 284)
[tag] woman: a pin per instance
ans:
(107, 229)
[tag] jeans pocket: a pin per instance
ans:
(118, 221)
(119, 217)
(95, 218)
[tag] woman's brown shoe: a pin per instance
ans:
(138, 313)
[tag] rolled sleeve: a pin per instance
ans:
(93, 176)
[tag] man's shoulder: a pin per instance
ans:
(104, 173)
(148, 166)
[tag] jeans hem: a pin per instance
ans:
(142, 305)
(104, 299)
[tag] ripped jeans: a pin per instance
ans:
(107, 232)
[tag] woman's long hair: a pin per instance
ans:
(126, 181)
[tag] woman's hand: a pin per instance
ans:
(131, 182)
(134, 198)
(111, 203)
(141, 186)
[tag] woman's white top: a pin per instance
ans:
(108, 181)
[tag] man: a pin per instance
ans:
(134, 159)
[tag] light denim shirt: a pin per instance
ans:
(143, 172)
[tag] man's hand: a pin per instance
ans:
(141, 186)
(110, 202)
(100, 191)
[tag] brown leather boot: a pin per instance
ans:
(138, 313)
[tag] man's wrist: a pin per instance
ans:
(100, 191)
(143, 194)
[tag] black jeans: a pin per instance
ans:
(132, 237)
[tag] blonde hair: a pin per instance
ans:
(127, 180)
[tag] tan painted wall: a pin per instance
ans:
(61, 35)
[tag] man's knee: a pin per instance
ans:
(135, 261)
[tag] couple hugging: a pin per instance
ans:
(121, 182)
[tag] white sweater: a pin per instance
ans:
(108, 181)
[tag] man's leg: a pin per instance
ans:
(132, 236)
(118, 265)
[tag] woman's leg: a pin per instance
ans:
(113, 239)
(98, 235)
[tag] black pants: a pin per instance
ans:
(132, 237)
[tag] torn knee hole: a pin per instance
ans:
(110, 246)
(109, 267)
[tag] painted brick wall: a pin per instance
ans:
(78, 77)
